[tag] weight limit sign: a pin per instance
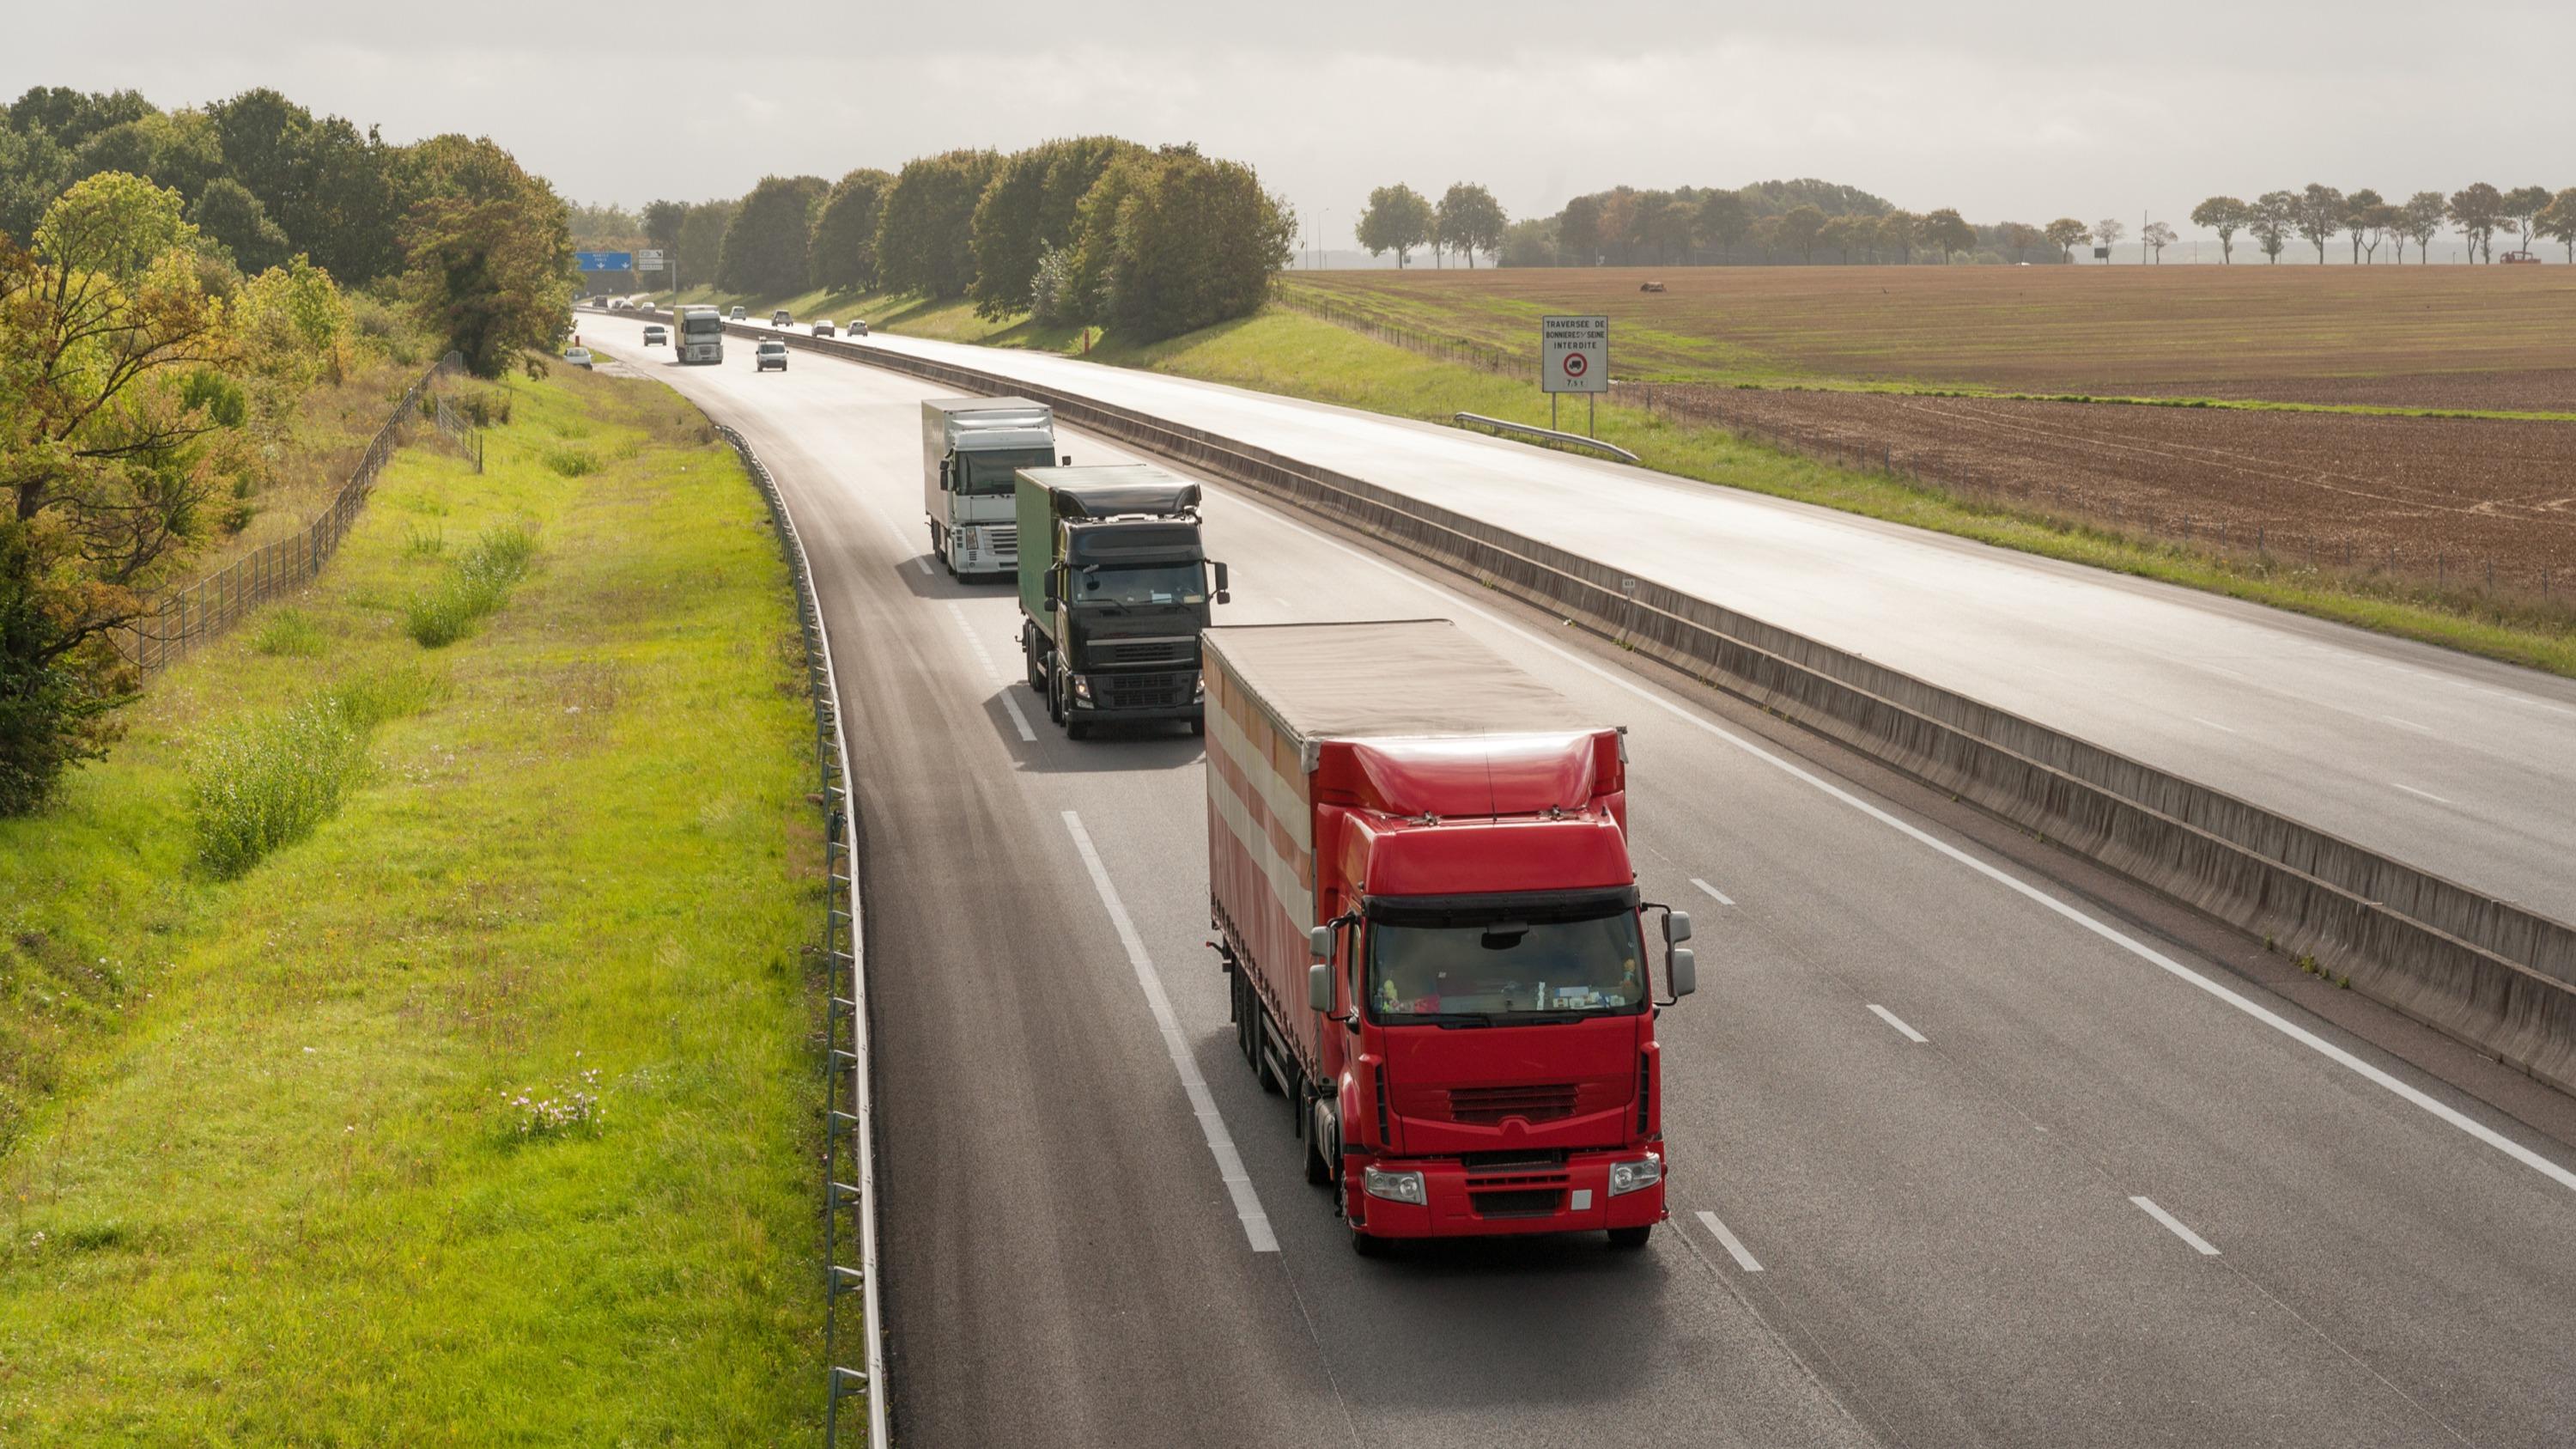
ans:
(1574, 354)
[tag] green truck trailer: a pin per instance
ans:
(1114, 589)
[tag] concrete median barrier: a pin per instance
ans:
(2483, 970)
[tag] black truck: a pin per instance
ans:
(1114, 589)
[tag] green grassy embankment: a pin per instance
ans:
(409, 1045)
(1288, 352)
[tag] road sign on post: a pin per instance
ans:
(648, 261)
(1573, 356)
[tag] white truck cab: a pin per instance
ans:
(970, 448)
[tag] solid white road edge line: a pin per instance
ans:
(2174, 1226)
(2432, 1105)
(1720, 895)
(1893, 1020)
(2213, 724)
(1229, 1163)
(984, 657)
(1743, 1259)
(2427, 794)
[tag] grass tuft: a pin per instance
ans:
(476, 584)
(265, 783)
(572, 460)
(290, 633)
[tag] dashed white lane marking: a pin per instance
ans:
(2213, 724)
(2427, 794)
(2407, 724)
(1893, 1020)
(1719, 895)
(2411, 1094)
(1229, 1163)
(2174, 1225)
(1010, 703)
(1743, 1259)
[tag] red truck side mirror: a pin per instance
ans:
(1681, 968)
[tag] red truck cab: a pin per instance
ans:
(1420, 881)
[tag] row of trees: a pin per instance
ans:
(1091, 230)
(1808, 220)
(165, 307)
(2368, 221)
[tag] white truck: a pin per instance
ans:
(970, 448)
(697, 334)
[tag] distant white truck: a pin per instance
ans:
(970, 448)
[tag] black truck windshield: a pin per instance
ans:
(1172, 583)
(1499, 970)
(991, 472)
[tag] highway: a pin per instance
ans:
(1961, 1155)
(2459, 766)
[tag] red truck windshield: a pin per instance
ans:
(1501, 970)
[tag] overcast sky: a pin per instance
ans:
(2006, 109)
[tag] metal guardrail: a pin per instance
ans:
(844, 947)
(193, 615)
(1544, 435)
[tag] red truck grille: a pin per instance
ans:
(1486, 1105)
(1535, 1202)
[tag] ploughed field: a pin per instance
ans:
(1852, 364)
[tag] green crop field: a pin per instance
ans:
(415, 1045)
(2447, 336)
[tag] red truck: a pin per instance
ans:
(1418, 874)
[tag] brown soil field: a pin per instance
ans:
(2421, 493)
(2422, 336)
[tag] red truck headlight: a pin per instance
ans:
(1644, 1172)
(1394, 1186)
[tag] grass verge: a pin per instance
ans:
(484, 1111)
(1288, 352)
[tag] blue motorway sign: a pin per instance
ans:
(606, 261)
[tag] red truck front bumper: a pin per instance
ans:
(1461, 1203)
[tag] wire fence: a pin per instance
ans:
(848, 1114)
(2460, 578)
(191, 616)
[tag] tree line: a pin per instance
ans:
(1809, 221)
(172, 285)
(2320, 215)
(1085, 231)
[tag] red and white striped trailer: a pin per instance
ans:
(1418, 873)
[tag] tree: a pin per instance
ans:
(1578, 232)
(2557, 221)
(2020, 237)
(1763, 235)
(1397, 220)
(2522, 206)
(1617, 227)
(842, 253)
(1721, 221)
(2157, 237)
(2316, 215)
(2108, 231)
(1194, 242)
(119, 436)
(1529, 242)
(333, 189)
(2477, 210)
(1799, 226)
(233, 218)
(702, 238)
(2271, 220)
(490, 255)
(1471, 220)
(764, 246)
(926, 229)
(2359, 211)
(2226, 216)
(1840, 234)
(31, 175)
(1948, 232)
(662, 221)
(1668, 229)
(2065, 234)
(2421, 220)
(1027, 206)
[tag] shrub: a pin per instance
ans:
(267, 782)
(475, 585)
(290, 632)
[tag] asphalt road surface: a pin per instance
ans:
(1960, 1156)
(2458, 766)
